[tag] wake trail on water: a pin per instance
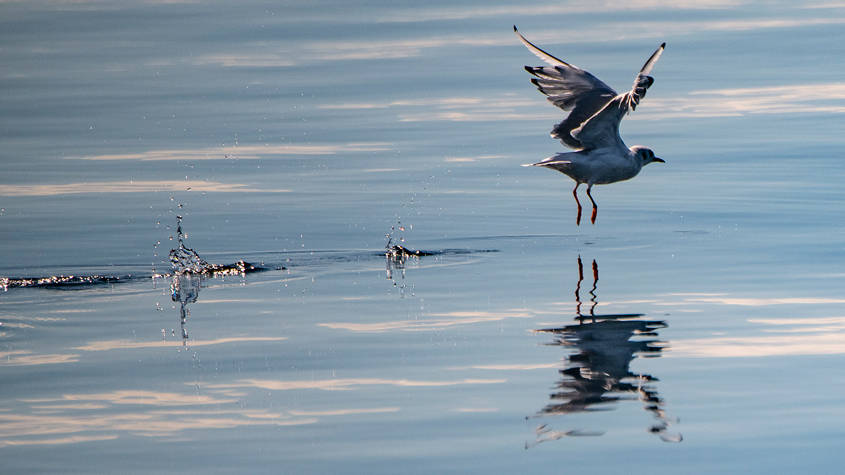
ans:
(183, 261)
(186, 261)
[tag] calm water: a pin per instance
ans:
(697, 328)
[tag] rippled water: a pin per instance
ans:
(696, 328)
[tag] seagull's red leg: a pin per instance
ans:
(575, 194)
(595, 207)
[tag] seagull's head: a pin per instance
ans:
(645, 155)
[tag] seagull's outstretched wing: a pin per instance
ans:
(570, 88)
(602, 129)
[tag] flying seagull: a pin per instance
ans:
(592, 126)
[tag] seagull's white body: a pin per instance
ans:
(592, 126)
(598, 166)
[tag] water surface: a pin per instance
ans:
(697, 327)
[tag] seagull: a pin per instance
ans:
(592, 126)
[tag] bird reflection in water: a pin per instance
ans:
(597, 372)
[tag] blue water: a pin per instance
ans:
(294, 136)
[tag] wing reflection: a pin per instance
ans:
(597, 372)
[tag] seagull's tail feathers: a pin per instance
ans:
(550, 162)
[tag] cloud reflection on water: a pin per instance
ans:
(108, 345)
(27, 358)
(802, 340)
(542, 9)
(345, 384)
(702, 103)
(431, 322)
(291, 54)
(244, 152)
(130, 187)
(149, 414)
(787, 99)
(83, 417)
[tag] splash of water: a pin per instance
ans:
(183, 259)
(397, 253)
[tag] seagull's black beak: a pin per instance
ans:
(655, 159)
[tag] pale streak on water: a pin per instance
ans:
(297, 133)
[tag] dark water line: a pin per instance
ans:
(75, 280)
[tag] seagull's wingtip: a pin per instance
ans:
(514, 28)
(662, 45)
